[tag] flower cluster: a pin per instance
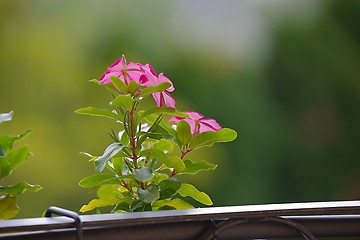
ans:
(144, 75)
(139, 171)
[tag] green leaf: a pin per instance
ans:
(158, 133)
(133, 87)
(188, 190)
(7, 141)
(159, 177)
(109, 152)
(119, 84)
(148, 153)
(107, 191)
(170, 162)
(164, 145)
(125, 139)
(123, 207)
(195, 167)
(169, 188)
(183, 132)
(143, 174)
(135, 121)
(109, 86)
(139, 206)
(99, 179)
(114, 135)
(154, 110)
(179, 114)
(97, 203)
(6, 116)
(150, 194)
(19, 188)
(173, 132)
(99, 112)
(18, 156)
(155, 131)
(176, 203)
(92, 158)
(209, 138)
(118, 165)
(8, 207)
(95, 81)
(5, 168)
(151, 89)
(14, 159)
(124, 101)
(165, 207)
(176, 163)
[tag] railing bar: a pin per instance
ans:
(350, 207)
(320, 226)
(305, 220)
(347, 207)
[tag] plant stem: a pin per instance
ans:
(183, 154)
(132, 137)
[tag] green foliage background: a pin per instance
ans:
(296, 110)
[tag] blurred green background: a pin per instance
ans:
(284, 74)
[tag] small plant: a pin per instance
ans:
(10, 159)
(139, 171)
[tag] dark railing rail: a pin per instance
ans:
(291, 220)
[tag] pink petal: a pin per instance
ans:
(143, 80)
(158, 99)
(118, 65)
(150, 69)
(152, 79)
(209, 124)
(169, 101)
(105, 78)
(176, 119)
(134, 75)
(162, 78)
(192, 124)
(133, 66)
(194, 115)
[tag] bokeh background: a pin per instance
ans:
(284, 74)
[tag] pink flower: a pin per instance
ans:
(197, 122)
(124, 71)
(150, 78)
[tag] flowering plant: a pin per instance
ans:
(9, 160)
(139, 170)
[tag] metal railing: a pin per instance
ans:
(292, 220)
